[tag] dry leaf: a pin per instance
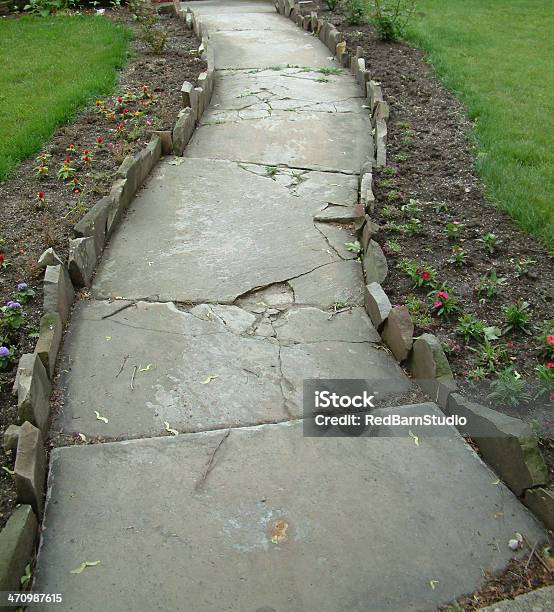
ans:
(209, 379)
(146, 368)
(171, 431)
(414, 437)
(99, 417)
(10, 472)
(83, 437)
(433, 584)
(83, 566)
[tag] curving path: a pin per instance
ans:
(235, 255)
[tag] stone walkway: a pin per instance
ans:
(236, 258)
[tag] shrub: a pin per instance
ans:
(390, 17)
(355, 11)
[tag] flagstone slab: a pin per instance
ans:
(153, 366)
(274, 521)
(285, 89)
(311, 140)
(209, 231)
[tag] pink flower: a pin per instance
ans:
(442, 294)
(438, 304)
(550, 339)
(550, 364)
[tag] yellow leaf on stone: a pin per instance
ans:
(433, 584)
(146, 368)
(100, 417)
(83, 566)
(209, 379)
(414, 437)
(10, 472)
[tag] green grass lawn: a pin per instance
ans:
(498, 56)
(50, 67)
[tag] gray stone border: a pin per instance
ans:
(36, 370)
(506, 444)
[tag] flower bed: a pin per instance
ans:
(49, 194)
(460, 265)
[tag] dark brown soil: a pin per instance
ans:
(28, 230)
(431, 161)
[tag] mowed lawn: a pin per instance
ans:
(50, 67)
(498, 56)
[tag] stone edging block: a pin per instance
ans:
(17, 543)
(58, 291)
(30, 467)
(33, 391)
(49, 339)
(398, 332)
(541, 502)
(507, 444)
(375, 264)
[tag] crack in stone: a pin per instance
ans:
(331, 246)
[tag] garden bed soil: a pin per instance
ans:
(431, 160)
(28, 230)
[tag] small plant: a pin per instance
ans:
(6, 357)
(86, 158)
(392, 248)
(412, 226)
(355, 11)
(12, 315)
(454, 230)
(421, 275)
(148, 20)
(331, 4)
(71, 149)
(470, 327)
(4, 263)
(545, 376)
(393, 195)
(516, 317)
(444, 303)
(439, 207)
(412, 208)
(509, 388)
(524, 266)
(100, 142)
(477, 373)
(546, 340)
(401, 156)
(66, 170)
(490, 241)
(41, 200)
(491, 356)
(390, 170)
(419, 311)
(271, 171)
(354, 247)
(389, 212)
(390, 17)
(488, 284)
(41, 171)
(458, 256)
(24, 293)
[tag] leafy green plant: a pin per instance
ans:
(421, 275)
(419, 311)
(470, 327)
(392, 247)
(390, 17)
(458, 256)
(331, 4)
(444, 302)
(546, 340)
(516, 317)
(491, 356)
(454, 230)
(411, 209)
(509, 388)
(7, 356)
(355, 11)
(43, 8)
(24, 293)
(12, 316)
(490, 241)
(354, 247)
(66, 170)
(488, 284)
(524, 266)
(545, 377)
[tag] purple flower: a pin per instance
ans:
(14, 305)
(22, 286)
(4, 351)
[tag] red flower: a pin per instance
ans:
(125, 111)
(99, 139)
(442, 294)
(437, 304)
(426, 275)
(85, 152)
(40, 195)
(550, 339)
(509, 344)
(86, 158)
(67, 160)
(119, 99)
(550, 364)
(2, 258)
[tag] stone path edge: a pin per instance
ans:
(35, 370)
(505, 443)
